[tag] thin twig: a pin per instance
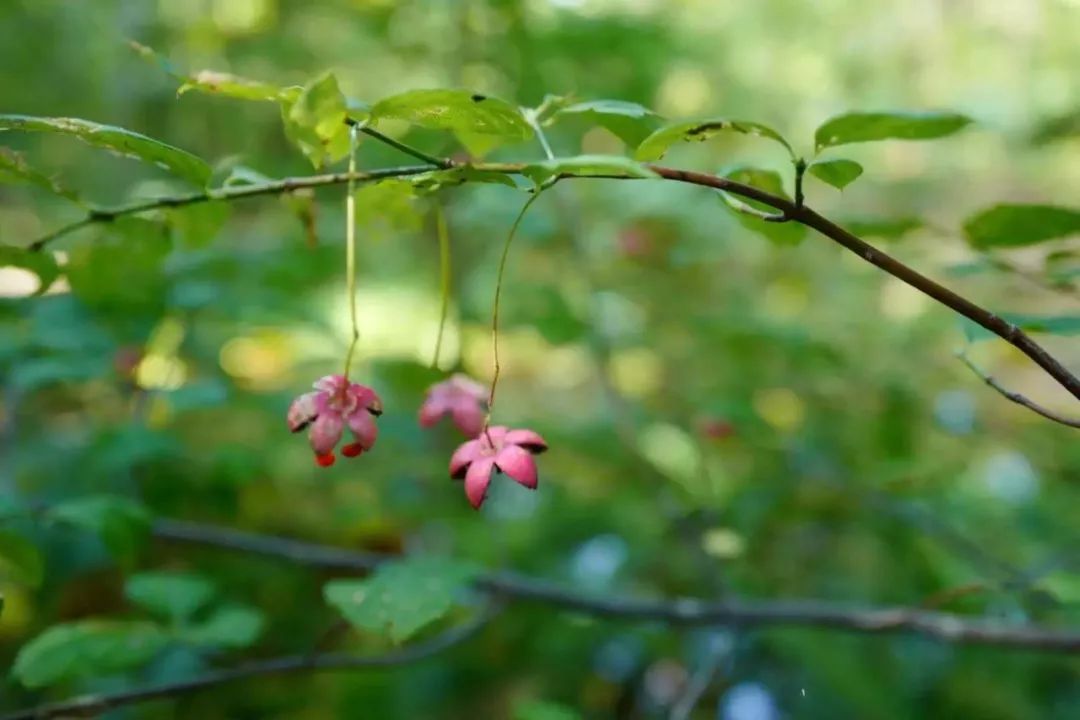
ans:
(801, 214)
(682, 611)
(94, 705)
(350, 252)
(1017, 397)
(443, 163)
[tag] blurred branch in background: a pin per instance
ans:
(1017, 397)
(683, 611)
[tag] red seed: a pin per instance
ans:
(352, 449)
(325, 460)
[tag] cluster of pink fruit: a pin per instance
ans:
(337, 403)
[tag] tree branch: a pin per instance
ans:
(1017, 397)
(94, 705)
(792, 211)
(683, 611)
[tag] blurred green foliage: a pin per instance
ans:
(726, 414)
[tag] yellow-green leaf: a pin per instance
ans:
(1015, 225)
(838, 173)
(630, 122)
(866, 127)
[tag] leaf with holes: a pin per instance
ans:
(838, 173)
(85, 648)
(174, 596)
(1010, 225)
(124, 142)
(867, 127)
(654, 146)
(457, 110)
(786, 233)
(14, 168)
(403, 596)
(587, 166)
(20, 560)
(630, 122)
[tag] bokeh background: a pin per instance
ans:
(725, 415)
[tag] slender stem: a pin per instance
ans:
(676, 611)
(803, 215)
(533, 118)
(498, 296)
(444, 163)
(350, 250)
(800, 174)
(444, 279)
(93, 705)
(1017, 397)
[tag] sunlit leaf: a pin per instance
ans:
(1010, 225)
(314, 120)
(89, 647)
(838, 173)
(587, 166)
(119, 522)
(230, 626)
(457, 110)
(20, 560)
(866, 127)
(172, 595)
(234, 86)
(630, 122)
(401, 597)
(124, 142)
(14, 168)
(655, 145)
(787, 233)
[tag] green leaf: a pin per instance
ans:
(124, 142)
(41, 263)
(230, 626)
(1009, 225)
(654, 146)
(13, 167)
(838, 173)
(321, 107)
(630, 122)
(122, 268)
(198, 224)
(314, 120)
(587, 166)
(867, 127)
(885, 228)
(89, 647)
(219, 83)
(1066, 325)
(436, 180)
(20, 560)
(769, 180)
(401, 597)
(457, 110)
(173, 595)
(119, 522)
